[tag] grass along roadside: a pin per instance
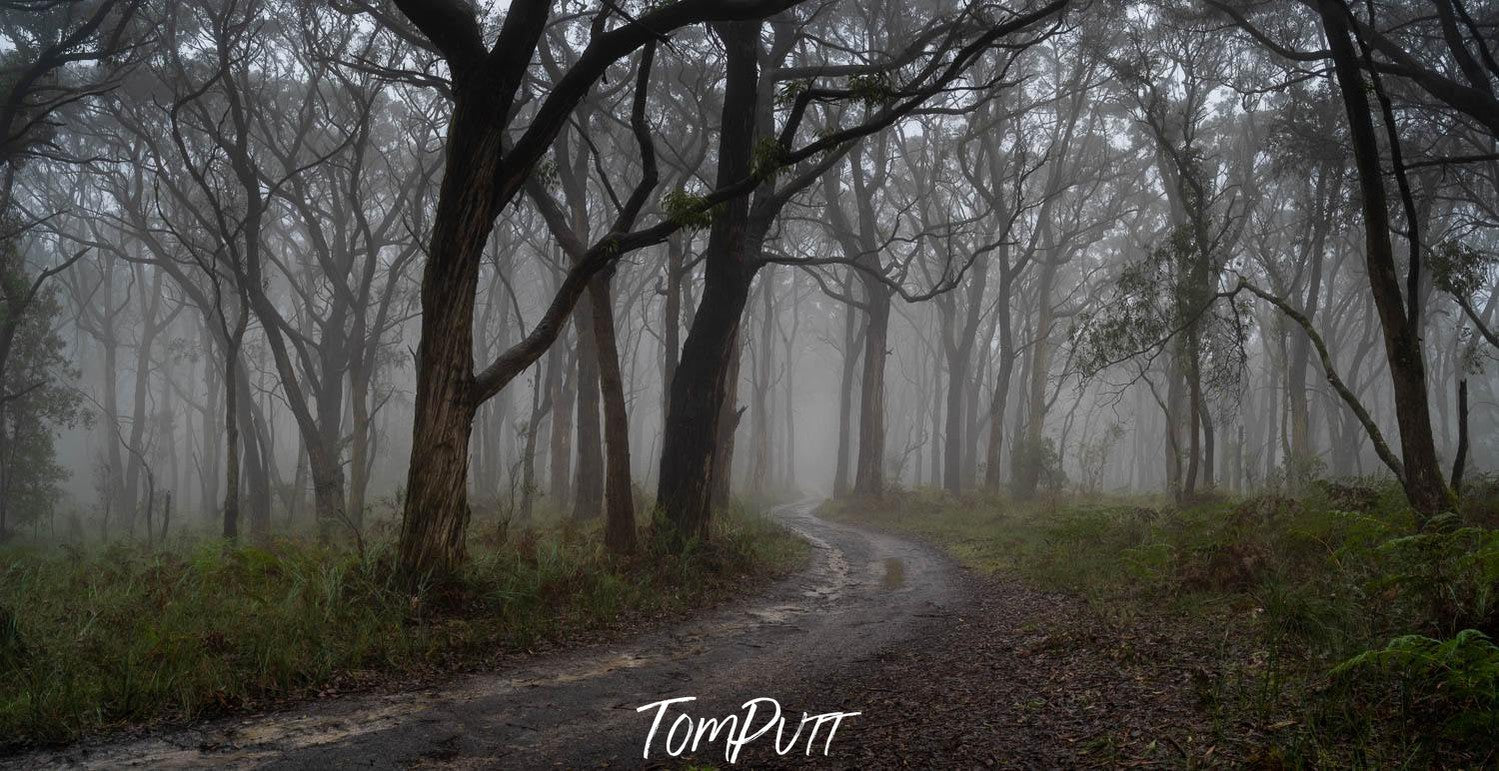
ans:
(119, 636)
(1325, 623)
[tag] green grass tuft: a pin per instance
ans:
(1352, 637)
(118, 636)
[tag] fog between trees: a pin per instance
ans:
(275, 266)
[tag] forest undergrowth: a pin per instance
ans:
(105, 638)
(1328, 626)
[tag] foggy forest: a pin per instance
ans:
(1043, 384)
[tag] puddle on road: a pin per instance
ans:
(895, 573)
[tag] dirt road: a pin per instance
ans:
(863, 592)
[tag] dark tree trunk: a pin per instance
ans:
(588, 486)
(1423, 482)
(1028, 466)
(701, 386)
(619, 524)
(993, 470)
(541, 403)
(1460, 459)
(359, 443)
(952, 452)
(761, 472)
(729, 415)
(1194, 416)
(231, 443)
(436, 512)
(563, 400)
(869, 473)
(851, 335)
(671, 318)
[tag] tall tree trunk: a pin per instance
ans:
(256, 455)
(760, 470)
(701, 385)
(851, 327)
(729, 415)
(671, 317)
(869, 473)
(231, 441)
(993, 470)
(952, 452)
(619, 523)
(1194, 414)
(588, 486)
(563, 401)
(436, 511)
(1423, 480)
(212, 420)
(359, 440)
(541, 403)
(1028, 467)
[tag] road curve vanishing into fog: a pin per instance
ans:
(863, 591)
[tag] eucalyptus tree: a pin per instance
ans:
(1441, 64)
(41, 72)
(695, 423)
(486, 168)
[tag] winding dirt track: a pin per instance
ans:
(863, 591)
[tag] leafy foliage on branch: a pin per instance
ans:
(36, 397)
(1459, 269)
(1159, 302)
(687, 210)
(768, 159)
(874, 90)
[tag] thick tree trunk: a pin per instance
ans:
(729, 415)
(869, 472)
(701, 387)
(1423, 481)
(436, 511)
(588, 485)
